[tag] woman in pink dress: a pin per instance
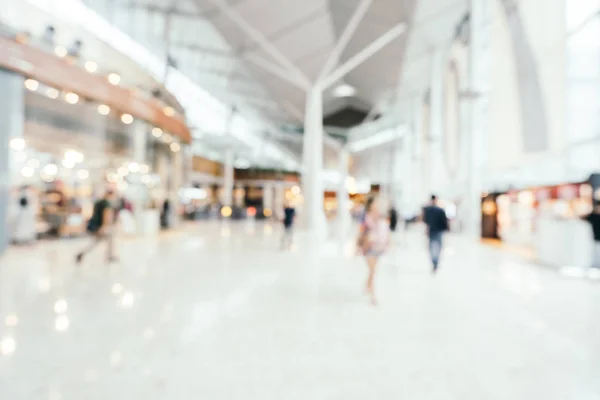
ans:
(373, 241)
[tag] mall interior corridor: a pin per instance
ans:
(216, 311)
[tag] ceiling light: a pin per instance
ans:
(83, 174)
(60, 51)
(169, 111)
(7, 345)
(103, 109)
(168, 138)
(74, 156)
(344, 90)
(91, 66)
(67, 163)
(52, 93)
(144, 169)
(17, 144)
(126, 119)
(157, 132)
(133, 167)
(51, 169)
(175, 147)
(27, 172)
(71, 98)
(32, 84)
(114, 78)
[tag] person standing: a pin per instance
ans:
(373, 241)
(101, 227)
(289, 215)
(436, 221)
(25, 227)
(594, 220)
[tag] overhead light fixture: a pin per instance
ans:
(103, 109)
(157, 132)
(175, 147)
(51, 169)
(60, 51)
(83, 174)
(144, 169)
(68, 163)
(71, 98)
(114, 78)
(168, 138)
(74, 156)
(52, 93)
(17, 144)
(126, 119)
(169, 111)
(344, 90)
(133, 167)
(32, 84)
(27, 172)
(91, 66)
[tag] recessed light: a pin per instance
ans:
(91, 66)
(103, 109)
(157, 132)
(169, 111)
(52, 93)
(126, 119)
(71, 98)
(114, 78)
(32, 84)
(344, 90)
(60, 51)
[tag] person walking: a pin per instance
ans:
(373, 241)
(101, 227)
(289, 215)
(436, 221)
(594, 220)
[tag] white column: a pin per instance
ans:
(418, 193)
(139, 156)
(475, 132)
(406, 164)
(279, 199)
(268, 196)
(312, 214)
(12, 121)
(176, 184)
(436, 122)
(228, 170)
(343, 201)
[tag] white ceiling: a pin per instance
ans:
(214, 51)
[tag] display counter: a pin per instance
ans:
(564, 242)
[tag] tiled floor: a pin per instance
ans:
(217, 312)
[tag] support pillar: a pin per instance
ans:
(313, 215)
(138, 196)
(228, 171)
(343, 201)
(12, 121)
(268, 192)
(475, 135)
(279, 200)
(436, 168)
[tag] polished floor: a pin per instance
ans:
(215, 311)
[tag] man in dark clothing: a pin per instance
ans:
(594, 220)
(393, 219)
(289, 214)
(100, 225)
(437, 223)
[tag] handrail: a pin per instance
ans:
(58, 73)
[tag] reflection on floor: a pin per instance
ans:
(216, 311)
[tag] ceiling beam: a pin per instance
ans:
(256, 35)
(364, 55)
(345, 37)
(276, 70)
(204, 49)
